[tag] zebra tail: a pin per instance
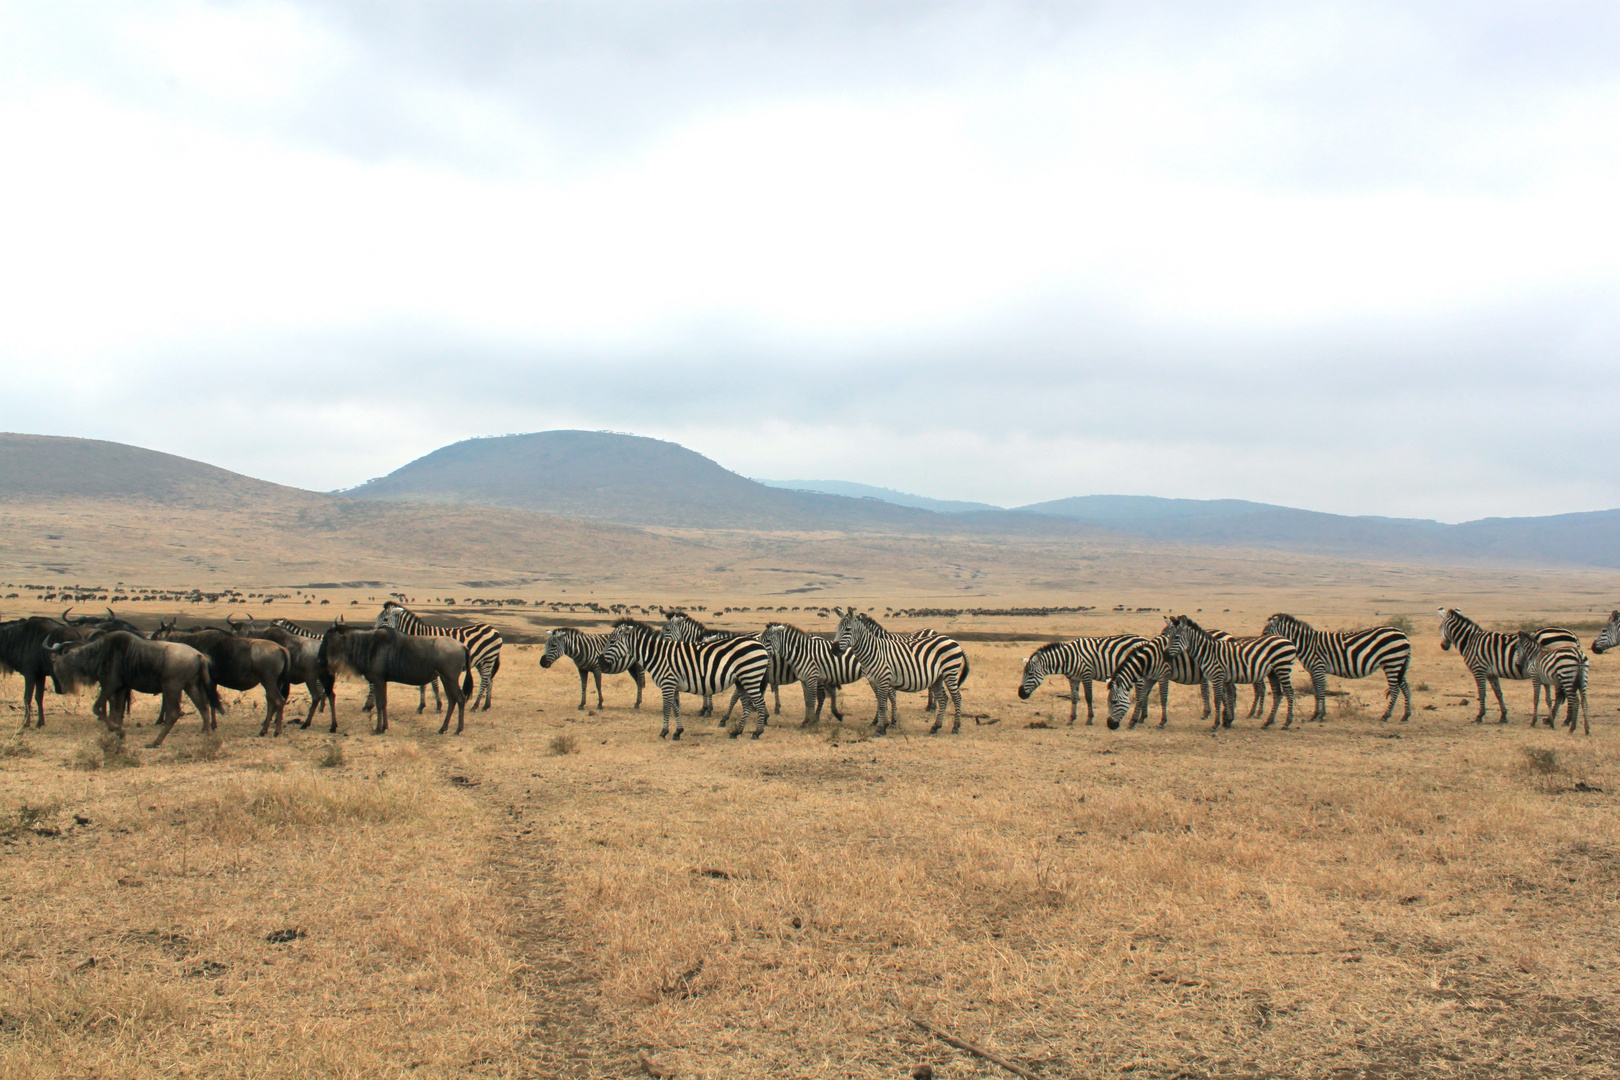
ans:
(963, 679)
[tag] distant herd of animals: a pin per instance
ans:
(684, 656)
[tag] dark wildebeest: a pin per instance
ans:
(241, 664)
(22, 649)
(305, 653)
(96, 622)
(384, 655)
(121, 662)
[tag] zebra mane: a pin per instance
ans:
(869, 622)
(640, 627)
(787, 626)
(1050, 646)
(684, 617)
(1295, 619)
(1453, 613)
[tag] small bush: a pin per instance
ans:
(1542, 761)
(1349, 707)
(24, 819)
(1403, 623)
(207, 748)
(331, 756)
(109, 752)
(562, 744)
(16, 748)
(1422, 688)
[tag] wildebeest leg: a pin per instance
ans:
(330, 685)
(454, 701)
(198, 693)
(379, 694)
(274, 706)
(316, 696)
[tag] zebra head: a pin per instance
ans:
(849, 629)
(627, 642)
(1526, 650)
(679, 626)
(1036, 669)
(1286, 626)
(1119, 700)
(774, 638)
(388, 616)
(1610, 636)
(554, 646)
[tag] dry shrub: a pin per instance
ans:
(208, 747)
(561, 745)
(1349, 707)
(1403, 623)
(24, 818)
(109, 752)
(16, 748)
(331, 756)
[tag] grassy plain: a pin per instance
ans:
(557, 892)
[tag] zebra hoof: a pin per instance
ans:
(733, 735)
(665, 735)
(755, 735)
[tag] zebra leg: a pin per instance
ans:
(1282, 682)
(1319, 688)
(1479, 684)
(640, 677)
(1087, 684)
(776, 689)
(1496, 685)
(672, 708)
(584, 687)
(1394, 692)
(1203, 692)
(1074, 699)
(1535, 700)
(832, 703)
(1164, 701)
(708, 705)
(1218, 693)
(736, 695)
(812, 701)
(1259, 702)
(598, 675)
(954, 688)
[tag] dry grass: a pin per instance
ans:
(554, 892)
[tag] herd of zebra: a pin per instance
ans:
(685, 656)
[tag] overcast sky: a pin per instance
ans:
(1362, 258)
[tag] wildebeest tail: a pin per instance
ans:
(466, 678)
(211, 687)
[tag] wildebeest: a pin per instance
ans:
(241, 664)
(121, 662)
(383, 655)
(23, 650)
(96, 622)
(305, 653)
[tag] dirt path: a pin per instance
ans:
(567, 1037)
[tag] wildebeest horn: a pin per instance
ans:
(54, 646)
(112, 615)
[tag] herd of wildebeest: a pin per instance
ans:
(684, 656)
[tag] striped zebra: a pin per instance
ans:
(697, 667)
(586, 650)
(1081, 661)
(679, 626)
(1267, 658)
(1349, 654)
(483, 643)
(1491, 655)
(810, 659)
(1610, 637)
(1145, 666)
(1560, 667)
(910, 663)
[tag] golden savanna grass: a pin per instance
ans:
(558, 891)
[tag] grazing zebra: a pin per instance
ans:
(1557, 667)
(697, 667)
(1610, 637)
(810, 659)
(1267, 658)
(679, 626)
(1080, 661)
(483, 643)
(586, 650)
(1349, 654)
(910, 663)
(1145, 666)
(1492, 656)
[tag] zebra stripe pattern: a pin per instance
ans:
(1610, 636)
(1145, 666)
(1267, 658)
(1560, 667)
(697, 667)
(1493, 656)
(483, 643)
(586, 650)
(679, 626)
(909, 663)
(809, 658)
(1349, 654)
(1081, 661)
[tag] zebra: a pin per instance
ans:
(1610, 637)
(1081, 661)
(1349, 654)
(1559, 667)
(698, 667)
(910, 663)
(1492, 656)
(810, 659)
(1266, 658)
(679, 626)
(586, 650)
(483, 643)
(1147, 664)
